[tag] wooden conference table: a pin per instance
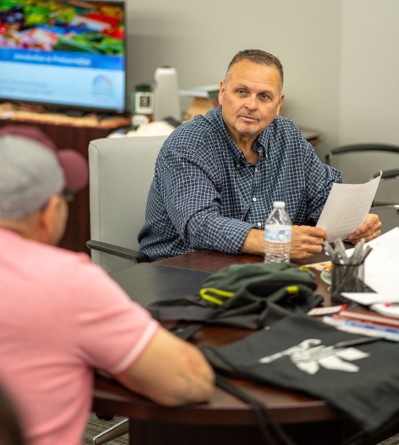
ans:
(225, 419)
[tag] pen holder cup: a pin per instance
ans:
(346, 278)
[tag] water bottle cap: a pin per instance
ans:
(279, 204)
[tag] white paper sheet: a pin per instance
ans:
(346, 208)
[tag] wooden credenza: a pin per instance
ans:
(74, 133)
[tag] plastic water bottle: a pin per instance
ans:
(278, 231)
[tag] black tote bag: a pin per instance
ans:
(299, 353)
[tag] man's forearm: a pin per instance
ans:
(254, 243)
(216, 232)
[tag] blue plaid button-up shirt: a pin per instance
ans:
(205, 195)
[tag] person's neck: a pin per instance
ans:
(245, 144)
(12, 226)
(23, 227)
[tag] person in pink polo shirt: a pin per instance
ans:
(61, 316)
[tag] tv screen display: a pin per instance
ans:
(64, 53)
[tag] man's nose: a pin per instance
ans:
(251, 102)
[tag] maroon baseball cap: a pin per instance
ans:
(74, 165)
(33, 170)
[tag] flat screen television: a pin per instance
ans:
(65, 54)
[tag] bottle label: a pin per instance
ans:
(278, 234)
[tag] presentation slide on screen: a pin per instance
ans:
(63, 52)
(60, 78)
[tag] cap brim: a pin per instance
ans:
(75, 168)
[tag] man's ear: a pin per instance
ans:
(221, 91)
(280, 105)
(48, 218)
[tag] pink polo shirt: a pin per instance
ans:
(60, 317)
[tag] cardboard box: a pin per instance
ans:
(203, 99)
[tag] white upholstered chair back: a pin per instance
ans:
(121, 172)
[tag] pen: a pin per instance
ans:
(357, 253)
(359, 324)
(366, 252)
(329, 250)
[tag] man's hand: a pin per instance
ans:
(306, 241)
(370, 229)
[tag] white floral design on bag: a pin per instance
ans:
(310, 355)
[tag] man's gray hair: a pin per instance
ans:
(257, 56)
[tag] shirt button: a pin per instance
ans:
(259, 224)
(238, 165)
(254, 199)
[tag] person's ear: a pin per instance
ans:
(221, 92)
(49, 219)
(48, 212)
(280, 104)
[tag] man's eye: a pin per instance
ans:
(264, 97)
(241, 92)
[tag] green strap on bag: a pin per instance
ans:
(239, 284)
(245, 295)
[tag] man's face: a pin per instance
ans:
(251, 98)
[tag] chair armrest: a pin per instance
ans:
(388, 174)
(123, 252)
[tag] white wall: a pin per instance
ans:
(369, 93)
(332, 82)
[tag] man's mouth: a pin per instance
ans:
(248, 118)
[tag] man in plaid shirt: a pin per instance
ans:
(217, 176)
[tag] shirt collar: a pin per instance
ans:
(261, 144)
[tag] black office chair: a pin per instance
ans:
(359, 162)
(388, 189)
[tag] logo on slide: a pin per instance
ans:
(103, 89)
(102, 82)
